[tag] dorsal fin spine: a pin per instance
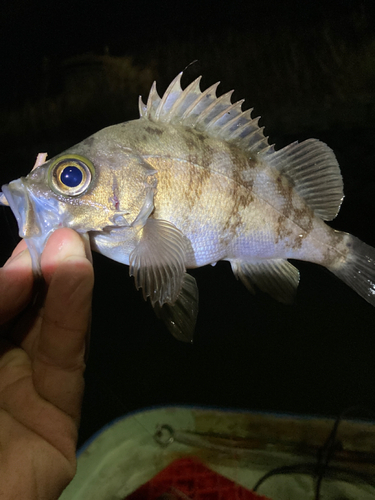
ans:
(142, 107)
(152, 97)
(227, 111)
(254, 145)
(253, 133)
(236, 117)
(269, 149)
(199, 99)
(190, 89)
(252, 122)
(173, 86)
(216, 103)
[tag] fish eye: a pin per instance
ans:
(70, 175)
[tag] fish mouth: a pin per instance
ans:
(17, 199)
(36, 217)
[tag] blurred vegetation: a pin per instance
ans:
(84, 91)
(298, 79)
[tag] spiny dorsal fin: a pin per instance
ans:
(204, 111)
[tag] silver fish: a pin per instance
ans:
(191, 182)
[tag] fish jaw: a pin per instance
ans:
(37, 217)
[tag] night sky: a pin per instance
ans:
(315, 357)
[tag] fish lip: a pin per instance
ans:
(37, 217)
(16, 197)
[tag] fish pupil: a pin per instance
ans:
(71, 176)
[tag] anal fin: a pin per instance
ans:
(277, 277)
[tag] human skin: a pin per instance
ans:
(43, 339)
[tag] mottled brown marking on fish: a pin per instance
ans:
(282, 229)
(241, 165)
(198, 145)
(336, 247)
(200, 136)
(242, 198)
(285, 190)
(240, 159)
(198, 179)
(199, 160)
(305, 219)
(302, 217)
(154, 130)
(190, 140)
(165, 172)
(240, 193)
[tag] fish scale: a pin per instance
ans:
(191, 182)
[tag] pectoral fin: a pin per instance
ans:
(277, 277)
(180, 317)
(157, 262)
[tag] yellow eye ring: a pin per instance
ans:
(70, 175)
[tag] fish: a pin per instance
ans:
(191, 182)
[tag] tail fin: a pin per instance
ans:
(358, 271)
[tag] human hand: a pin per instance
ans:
(42, 360)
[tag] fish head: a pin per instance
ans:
(94, 185)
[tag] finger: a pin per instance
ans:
(59, 358)
(16, 283)
(61, 244)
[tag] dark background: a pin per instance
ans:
(69, 69)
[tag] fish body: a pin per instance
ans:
(220, 198)
(191, 182)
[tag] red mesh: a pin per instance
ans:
(188, 478)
